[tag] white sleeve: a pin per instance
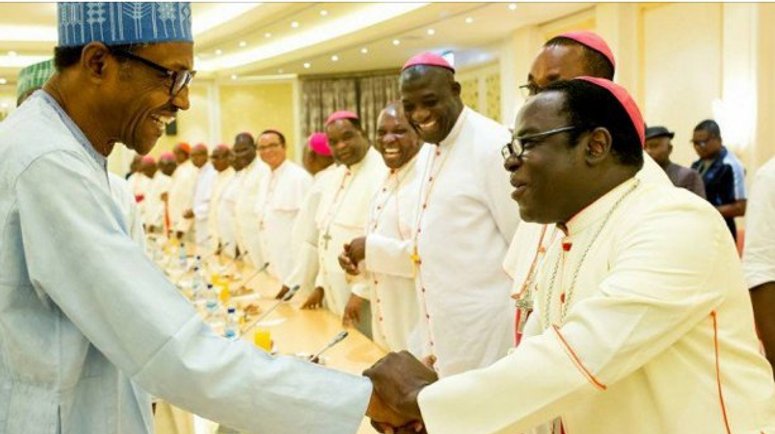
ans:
(129, 311)
(386, 255)
(759, 251)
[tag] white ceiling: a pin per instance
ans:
(258, 39)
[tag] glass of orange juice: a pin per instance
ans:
(262, 338)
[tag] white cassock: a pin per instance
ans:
(246, 219)
(153, 207)
(304, 236)
(138, 184)
(280, 196)
(465, 220)
(91, 326)
(531, 240)
(389, 271)
(181, 195)
(642, 324)
(203, 191)
(225, 218)
(220, 182)
(759, 251)
(341, 216)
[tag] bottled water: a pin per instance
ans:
(197, 284)
(231, 328)
(182, 257)
(211, 300)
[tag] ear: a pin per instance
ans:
(598, 146)
(95, 58)
(456, 88)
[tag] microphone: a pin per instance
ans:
(335, 340)
(256, 273)
(288, 296)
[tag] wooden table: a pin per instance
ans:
(293, 331)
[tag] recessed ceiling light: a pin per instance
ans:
(431, 32)
(3, 81)
(364, 50)
(294, 24)
(396, 42)
(334, 58)
(323, 13)
(307, 65)
(513, 6)
(218, 52)
(234, 76)
(12, 53)
(243, 43)
(469, 20)
(280, 71)
(267, 35)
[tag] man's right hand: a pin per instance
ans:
(398, 379)
(315, 300)
(284, 290)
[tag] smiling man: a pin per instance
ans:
(628, 335)
(91, 326)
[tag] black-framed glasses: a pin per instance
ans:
(529, 89)
(180, 79)
(517, 145)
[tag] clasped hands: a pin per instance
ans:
(352, 254)
(397, 380)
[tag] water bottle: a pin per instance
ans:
(197, 284)
(182, 257)
(198, 262)
(211, 300)
(231, 329)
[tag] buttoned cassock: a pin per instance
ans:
(280, 196)
(203, 191)
(759, 251)
(341, 216)
(153, 207)
(394, 306)
(245, 217)
(465, 220)
(181, 195)
(217, 216)
(644, 336)
(81, 349)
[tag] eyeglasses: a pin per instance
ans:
(180, 79)
(529, 89)
(520, 143)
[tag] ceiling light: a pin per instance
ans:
(469, 20)
(243, 43)
(513, 6)
(3, 81)
(267, 35)
(12, 53)
(323, 13)
(364, 50)
(218, 52)
(334, 58)
(396, 42)
(431, 32)
(307, 65)
(295, 24)
(234, 76)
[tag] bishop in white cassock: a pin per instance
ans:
(281, 195)
(304, 234)
(343, 208)
(642, 320)
(464, 222)
(252, 171)
(203, 190)
(181, 191)
(155, 211)
(219, 218)
(388, 283)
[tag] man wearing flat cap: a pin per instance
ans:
(659, 147)
(90, 326)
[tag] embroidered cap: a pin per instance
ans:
(34, 77)
(593, 41)
(318, 143)
(119, 23)
(625, 100)
(341, 114)
(428, 59)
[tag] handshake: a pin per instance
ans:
(397, 380)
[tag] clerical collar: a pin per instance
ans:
(79, 136)
(456, 129)
(597, 209)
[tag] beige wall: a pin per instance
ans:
(481, 89)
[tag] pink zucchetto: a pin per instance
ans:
(428, 59)
(625, 100)
(167, 156)
(148, 160)
(199, 147)
(318, 143)
(341, 114)
(593, 41)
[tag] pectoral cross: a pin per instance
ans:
(326, 239)
(416, 257)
